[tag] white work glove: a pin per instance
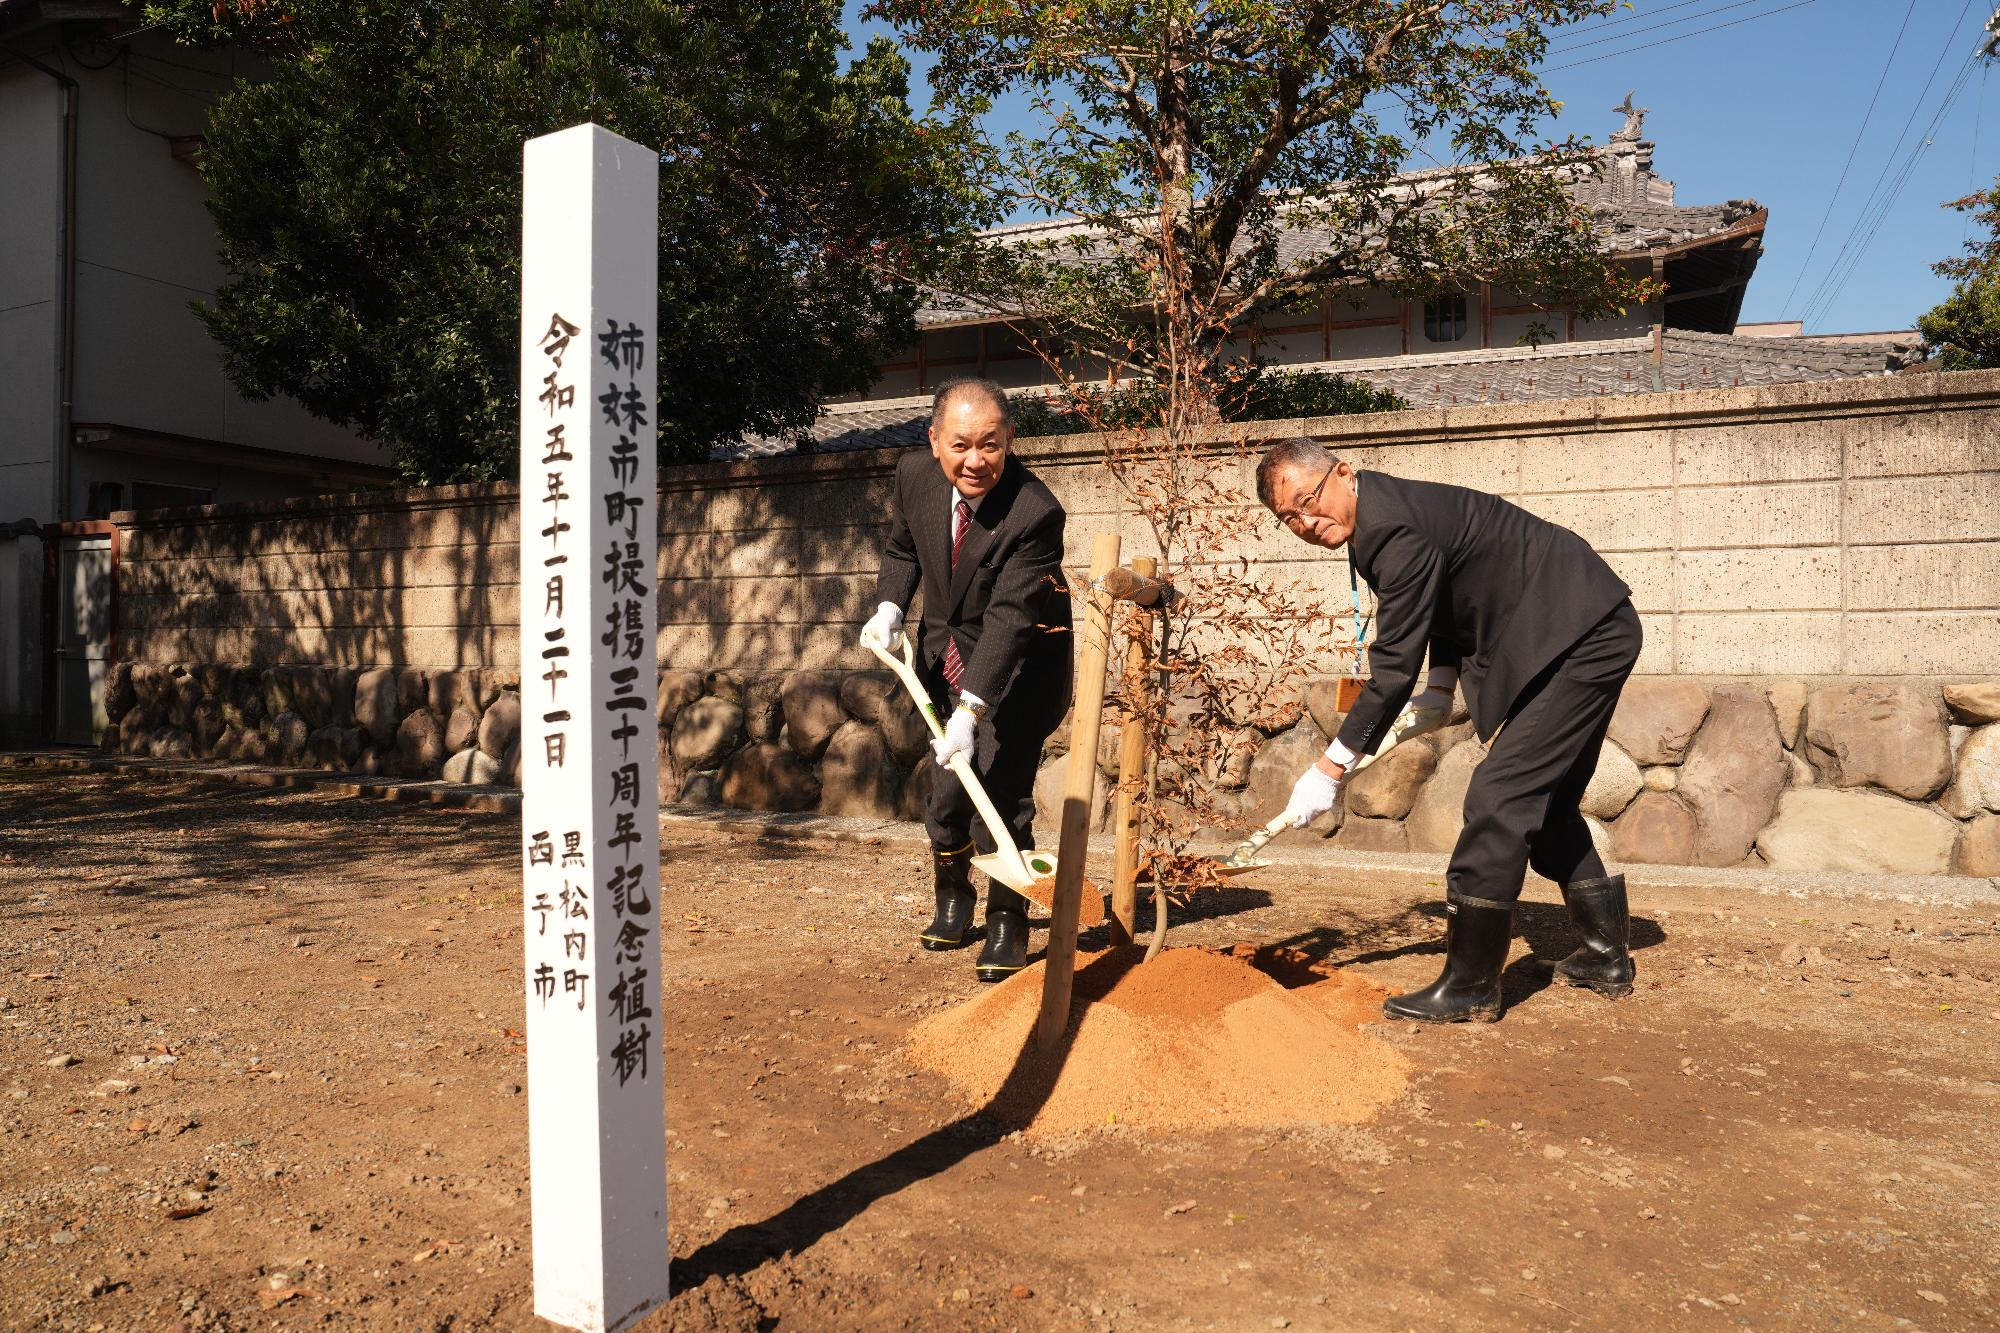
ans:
(957, 737)
(884, 628)
(1312, 796)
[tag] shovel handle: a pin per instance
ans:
(905, 668)
(1254, 844)
(1003, 842)
(960, 767)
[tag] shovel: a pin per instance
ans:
(1245, 858)
(1033, 875)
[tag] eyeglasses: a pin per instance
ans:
(1296, 514)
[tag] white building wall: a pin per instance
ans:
(1382, 340)
(147, 249)
(1382, 311)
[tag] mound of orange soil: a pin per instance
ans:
(1196, 1039)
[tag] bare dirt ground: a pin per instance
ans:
(260, 1069)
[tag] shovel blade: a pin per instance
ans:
(1018, 873)
(1228, 869)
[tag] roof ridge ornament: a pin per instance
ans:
(1635, 120)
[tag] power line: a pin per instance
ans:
(1855, 147)
(1636, 15)
(1845, 265)
(1868, 205)
(1972, 163)
(1679, 37)
(1835, 283)
(1889, 164)
(1567, 47)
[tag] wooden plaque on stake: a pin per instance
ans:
(590, 797)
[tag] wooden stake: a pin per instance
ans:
(1082, 783)
(1131, 761)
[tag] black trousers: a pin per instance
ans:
(1006, 753)
(1521, 808)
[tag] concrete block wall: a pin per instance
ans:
(411, 578)
(1813, 530)
(1817, 530)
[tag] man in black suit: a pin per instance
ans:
(1542, 635)
(984, 539)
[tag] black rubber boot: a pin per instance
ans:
(1603, 963)
(1476, 934)
(1006, 950)
(952, 872)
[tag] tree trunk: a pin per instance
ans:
(1189, 400)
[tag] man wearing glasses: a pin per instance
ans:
(1542, 635)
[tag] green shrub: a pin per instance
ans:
(1264, 395)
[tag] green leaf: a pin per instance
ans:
(367, 197)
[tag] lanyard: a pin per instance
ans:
(1354, 591)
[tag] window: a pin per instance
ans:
(1444, 318)
(162, 495)
(105, 498)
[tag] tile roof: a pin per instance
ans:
(1633, 209)
(1689, 360)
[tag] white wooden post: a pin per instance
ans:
(589, 750)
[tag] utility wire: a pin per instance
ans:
(1636, 15)
(1889, 165)
(1876, 213)
(1568, 47)
(1679, 37)
(1866, 227)
(1902, 180)
(1972, 163)
(1853, 148)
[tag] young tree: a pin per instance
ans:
(1963, 332)
(1229, 158)
(367, 195)
(1222, 160)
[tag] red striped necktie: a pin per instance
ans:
(954, 667)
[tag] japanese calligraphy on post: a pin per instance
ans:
(589, 765)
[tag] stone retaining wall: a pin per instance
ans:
(1849, 528)
(1889, 776)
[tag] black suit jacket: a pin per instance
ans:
(1006, 603)
(1482, 584)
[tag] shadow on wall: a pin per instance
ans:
(422, 579)
(229, 613)
(763, 571)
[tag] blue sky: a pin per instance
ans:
(1770, 108)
